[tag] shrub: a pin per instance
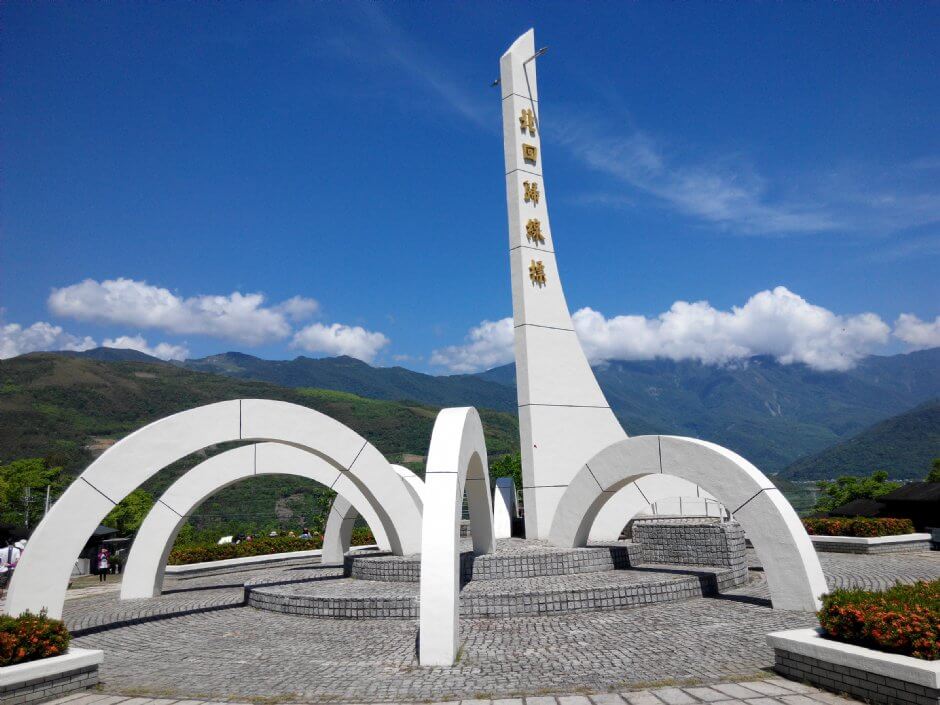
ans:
(362, 536)
(256, 547)
(858, 526)
(30, 637)
(903, 620)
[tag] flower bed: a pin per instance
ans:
(858, 526)
(258, 547)
(903, 620)
(31, 637)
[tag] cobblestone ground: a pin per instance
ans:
(215, 648)
(768, 691)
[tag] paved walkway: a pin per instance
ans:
(208, 646)
(769, 691)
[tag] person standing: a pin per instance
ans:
(9, 557)
(103, 562)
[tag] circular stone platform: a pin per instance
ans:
(521, 578)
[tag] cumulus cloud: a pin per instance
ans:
(339, 339)
(488, 345)
(16, 340)
(773, 322)
(165, 351)
(237, 316)
(917, 333)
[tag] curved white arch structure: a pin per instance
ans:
(638, 497)
(505, 509)
(146, 562)
(42, 575)
(456, 461)
(790, 563)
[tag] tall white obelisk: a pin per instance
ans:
(564, 418)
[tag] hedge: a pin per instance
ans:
(30, 637)
(858, 526)
(903, 620)
(260, 546)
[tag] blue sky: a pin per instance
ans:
(174, 173)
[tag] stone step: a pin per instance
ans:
(514, 558)
(347, 598)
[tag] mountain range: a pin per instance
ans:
(771, 413)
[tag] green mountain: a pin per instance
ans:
(348, 374)
(904, 446)
(772, 414)
(69, 408)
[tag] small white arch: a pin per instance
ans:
(505, 508)
(146, 562)
(456, 461)
(42, 575)
(790, 563)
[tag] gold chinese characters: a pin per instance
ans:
(531, 192)
(527, 121)
(533, 231)
(530, 152)
(537, 272)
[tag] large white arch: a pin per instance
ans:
(42, 575)
(640, 496)
(790, 563)
(146, 562)
(456, 461)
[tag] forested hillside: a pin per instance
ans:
(67, 408)
(904, 446)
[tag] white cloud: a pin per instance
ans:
(240, 317)
(165, 351)
(777, 323)
(488, 345)
(298, 308)
(917, 333)
(16, 340)
(339, 339)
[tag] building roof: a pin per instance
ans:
(914, 492)
(858, 508)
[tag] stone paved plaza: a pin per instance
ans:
(208, 645)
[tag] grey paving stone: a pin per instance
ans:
(508, 701)
(573, 700)
(673, 696)
(605, 699)
(736, 690)
(798, 700)
(767, 688)
(540, 700)
(706, 694)
(642, 698)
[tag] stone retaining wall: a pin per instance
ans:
(875, 548)
(864, 685)
(500, 566)
(42, 689)
(690, 542)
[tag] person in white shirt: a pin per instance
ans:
(9, 557)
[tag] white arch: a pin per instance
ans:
(505, 509)
(146, 562)
(456, 460)
(42, 575)
(790, 563)
(638, 497)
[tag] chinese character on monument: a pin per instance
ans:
(533, 231)
(527, 121)
(537, 272)
(531, 192)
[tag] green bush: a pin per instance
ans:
(30, 637)
(903, 620)
(261, 546)
(858, 526)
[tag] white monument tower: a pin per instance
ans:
(564, 419)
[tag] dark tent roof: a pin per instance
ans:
(858, 508)
(104, 531)
(915, 492)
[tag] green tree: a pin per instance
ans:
(509, 465)
(129, 513)
(846, 488)
(934, 474)
(24, 478)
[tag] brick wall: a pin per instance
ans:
(43, 689)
